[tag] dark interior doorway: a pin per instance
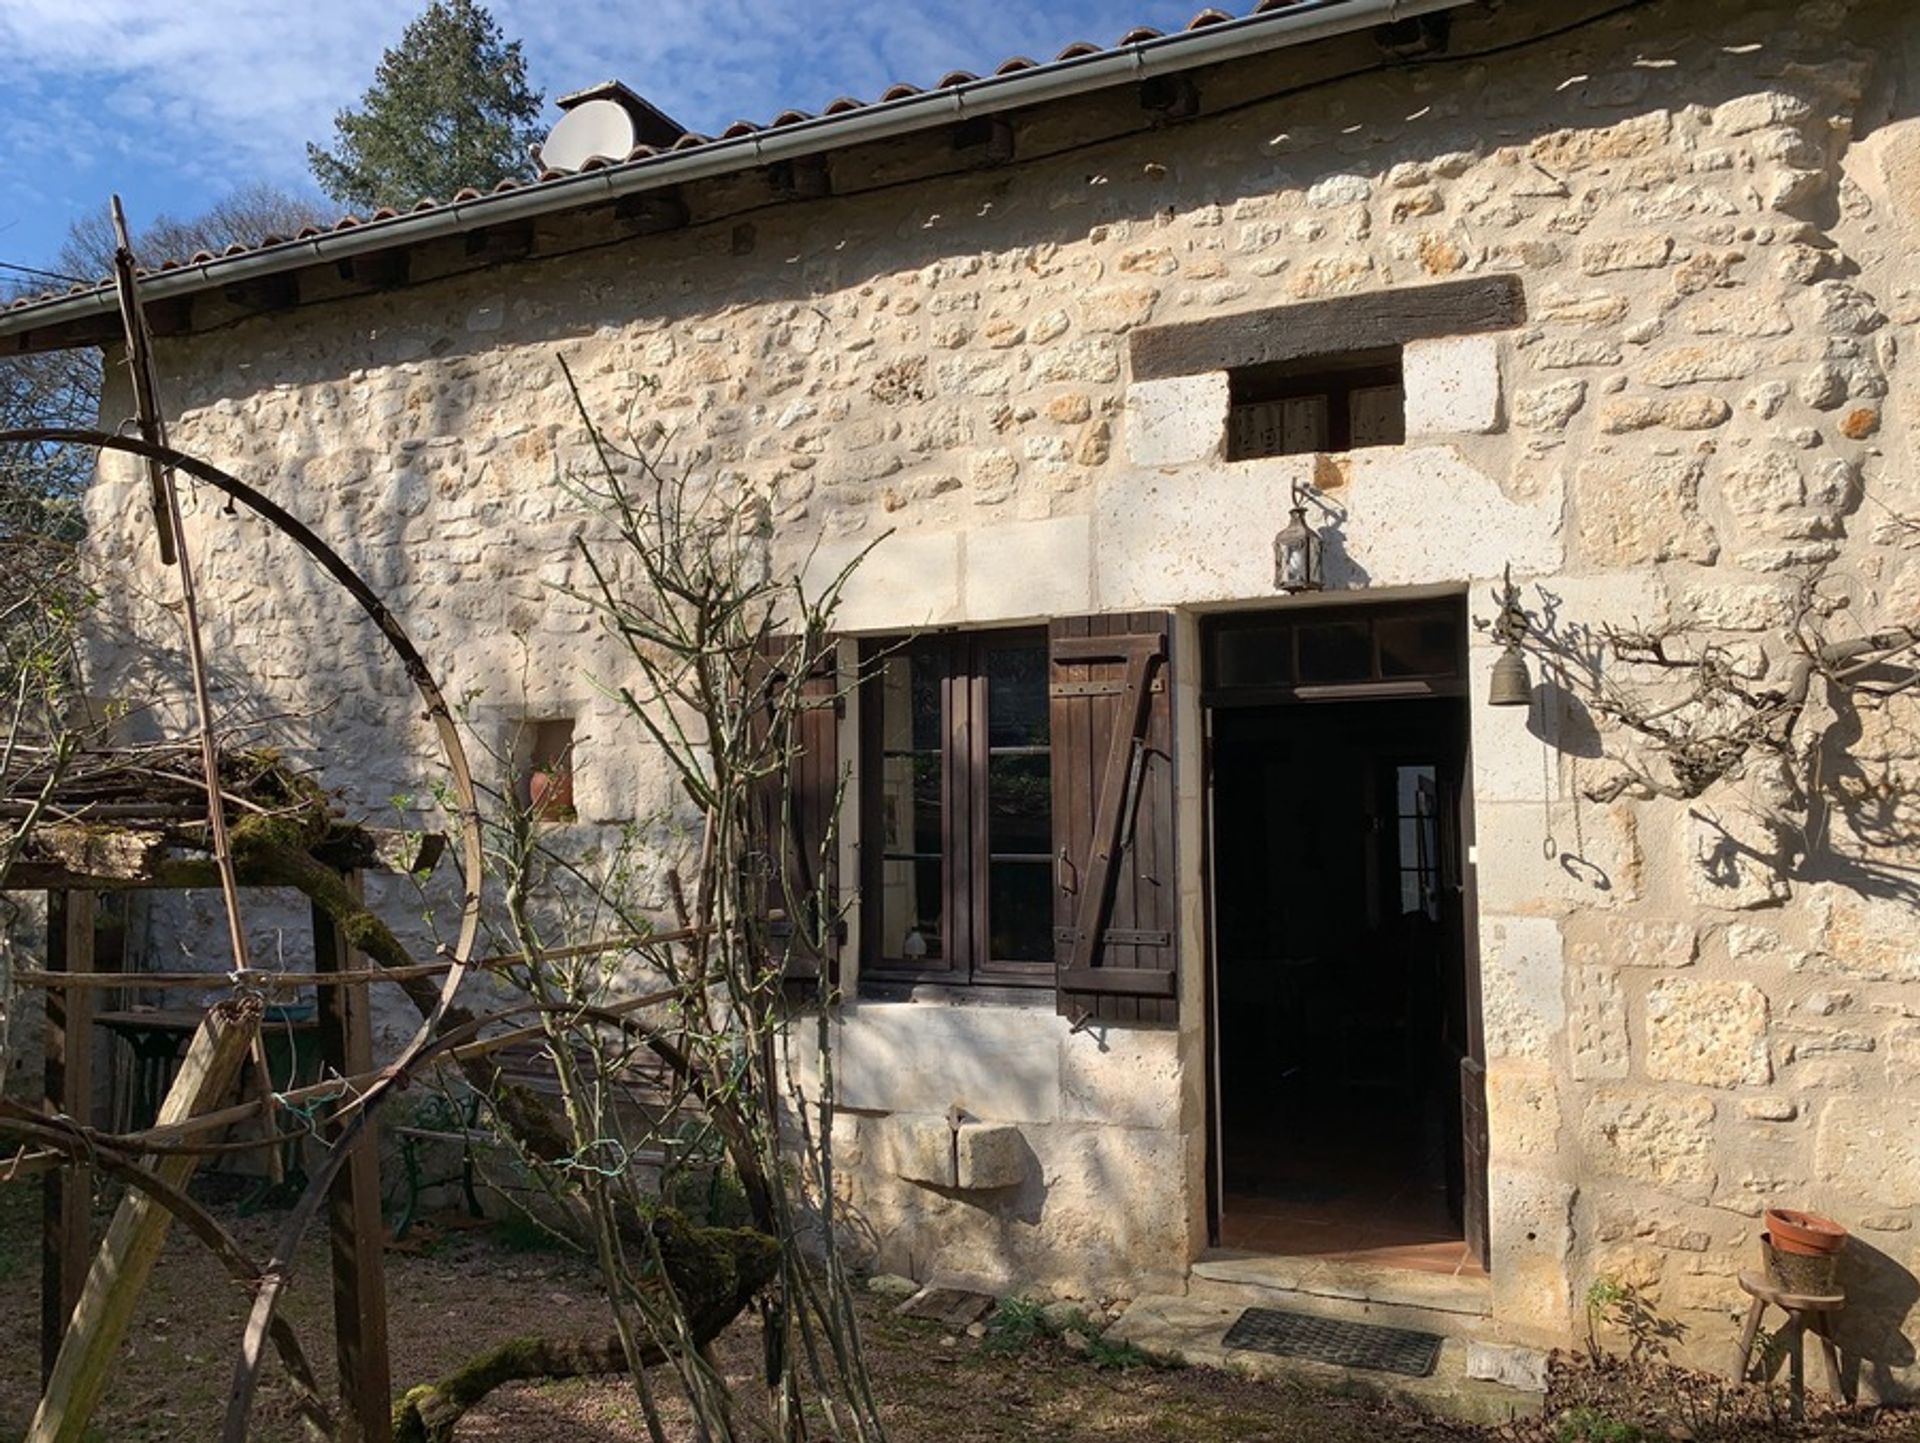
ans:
(1341, 973)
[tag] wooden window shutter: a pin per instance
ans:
(800, 823)
(1116, 909)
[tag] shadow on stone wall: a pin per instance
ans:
(1871, 1330)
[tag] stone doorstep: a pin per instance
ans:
(1192, 1331)
(1447, 1305)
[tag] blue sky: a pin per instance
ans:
(175, 102)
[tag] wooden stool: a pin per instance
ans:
(1799, 1308)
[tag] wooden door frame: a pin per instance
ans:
(1383, 692)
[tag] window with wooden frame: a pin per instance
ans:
(1018, 814)
(958, 810)
(1327, 403)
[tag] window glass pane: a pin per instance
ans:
(912, 812)
(1020, 909)
(1262, 657)
(1418, 646)
(1415, 788)
(1379, 415)
(1336, 651)
(1020, 806)
(1016, 696)
(910, 910)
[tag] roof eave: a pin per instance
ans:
(1298, 24)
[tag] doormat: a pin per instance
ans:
(1327, 1340)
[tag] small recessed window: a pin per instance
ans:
(1331, 403)
(543, 769)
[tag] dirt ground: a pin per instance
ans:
(454, 1293)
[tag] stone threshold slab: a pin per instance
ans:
(1193, 1332)
(1467, 1295)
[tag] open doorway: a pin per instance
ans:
(1341, 983)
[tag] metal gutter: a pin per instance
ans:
(1299, 24)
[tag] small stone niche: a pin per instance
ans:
(543, 766)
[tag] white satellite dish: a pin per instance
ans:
(592, 128)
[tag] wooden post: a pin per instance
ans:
(134, 1239)
(353, 1207)
(66, 1194)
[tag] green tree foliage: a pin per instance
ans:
(449, 107)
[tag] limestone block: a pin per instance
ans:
(1709, 1032)
(1452, 386)
(1758, 111)
(1665, 1142)
(1000, 1064)
(923, 1150)
(1470, 526)
(1337, 190)
(1733, 862)
(1903, 1054)
(1123, 1077)
(989, 1156)
(1205, 534)
(1598, 1047)
(1523, 1112)
(1522, 997)
(906, 580)
(1869, 1152)
(1508, 1364)
(1871, 938)
(1117, 309)
(1121, 1209)
(1549, 408)
(1530, 1235)
(1177, 420)
(1551, 860)
(1646, 509)
(1028, 570)
(1632, 943)
(1692, 365)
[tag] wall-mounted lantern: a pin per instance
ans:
(1511, 683)
(1296, 550)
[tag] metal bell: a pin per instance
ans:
(1512, 683)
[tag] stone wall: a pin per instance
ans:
(1714, 210)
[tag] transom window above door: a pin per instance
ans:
(957, 849)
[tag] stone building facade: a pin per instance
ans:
(991, 368)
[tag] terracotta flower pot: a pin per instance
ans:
(1804, 1233)
(550, 793)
